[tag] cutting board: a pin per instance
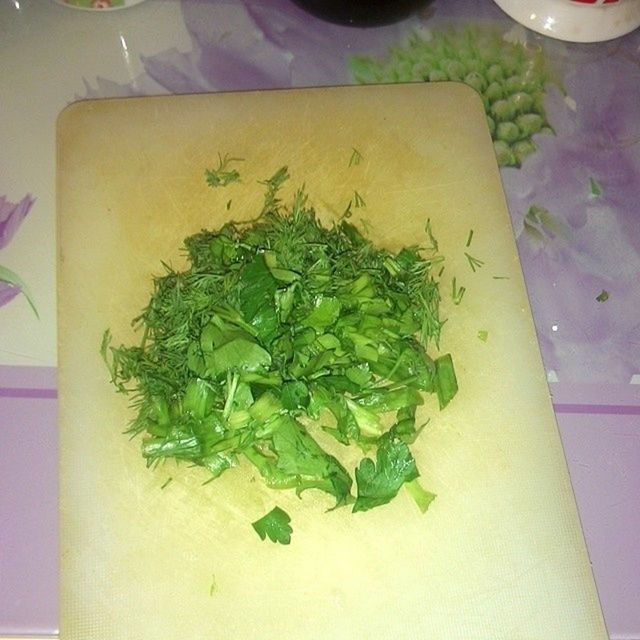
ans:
(500, 552)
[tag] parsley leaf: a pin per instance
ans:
(379, 481)
(275, 525)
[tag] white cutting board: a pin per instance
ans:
(500, 553)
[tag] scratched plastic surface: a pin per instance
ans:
(499, 555)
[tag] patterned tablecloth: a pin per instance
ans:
(565, 119)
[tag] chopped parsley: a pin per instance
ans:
(281, 327)
(275, 526)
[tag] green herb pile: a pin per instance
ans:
(281, 327)
(509, 77)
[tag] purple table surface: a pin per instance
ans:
(571, 182)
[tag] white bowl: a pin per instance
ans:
(576, 20)
(98, 5)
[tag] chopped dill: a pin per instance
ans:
(457, 293)
(469, 238)
(356, 158)
(474, 263)
(358, 200)
(278, 320)
(222, 175)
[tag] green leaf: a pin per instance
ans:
(446, 382)
(198, 398)
(379, 482)
(238, 354)
(257, 288)
(368, 422)
(274, 525)
(296, 461)
(294, 395)
(13, 279)
(421, 496)
(324, 314)
(218, 462)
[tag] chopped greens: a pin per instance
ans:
(356, 158)
(457, 293)
(274, 525)
(469, 238)
(281, 329)
(223, 175)
(474, 263)
(603, 296)
(421, 496)
(380, 481)
(358, 200)
(595, 188)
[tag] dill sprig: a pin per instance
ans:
(222, 175)
(474, 263)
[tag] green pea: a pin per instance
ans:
(465, 53)
(494, 91)
(504, 154)
(474, 65)
(521, 101)
(437, 75)
(507, 132)
(538, 103)
(529, 123)
(495, 73)
(523, 148)
(420, 71)
(503, 111)
(513, 84)
(532, 81)
(491, 123)
(510, 64)
(475, 80)
(404, 71)
(453, 69)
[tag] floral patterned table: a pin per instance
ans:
(566, 124)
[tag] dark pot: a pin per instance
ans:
(362, 13)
